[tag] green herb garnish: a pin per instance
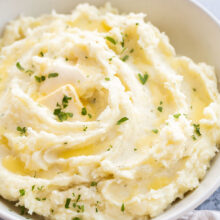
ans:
(112, 40)
(62, 116)
(194, 137)
(143, 79)
(41, 54)
(23, 131)
(155, 131)
(125, 58)
(122, 207)
(22, 192)
(18, 65)
(197, 129)
(93, 184)
(52, 75)
(107, 78)
(40, 78)
(122, 120)
(160, 108)
(84, 111)
(176, 115)
(68, 200)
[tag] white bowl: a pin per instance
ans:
(193, 31)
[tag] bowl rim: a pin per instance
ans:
(8, 215)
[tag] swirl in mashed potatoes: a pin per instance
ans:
(99, 117)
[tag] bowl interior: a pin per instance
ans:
(192, 31)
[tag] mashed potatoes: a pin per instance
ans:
(99, 117)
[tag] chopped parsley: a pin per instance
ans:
(135, 149)
(112, 40)
(66, 58)
(66, 100)
(176, 116)
(122, 120)
(131, 51)
(125, 58)
(84, 111)
(143, 79)
(40, 188)
(62, 116)
(197, 129)
(160, 108)
(93, 184)
(40, 79)
(67, 204)
(137, 24)
(22, 192)
(155, 131)
(123, 42)
(22, 210)
(194, 137)
(194, 89)
(76, 218)
(89, 115)
(122, 207)
(78, 198)
(85, 128)
(41, 54)
(52, 75)
(18, 65)
(110, 147)
(23, 131)
(32, 188)
(161, 103)
(107, 78)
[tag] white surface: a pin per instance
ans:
(192, 32)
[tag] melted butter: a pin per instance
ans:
(197, 106)
(84, 23)
(159, 183)
(15, 165)
(83, 151)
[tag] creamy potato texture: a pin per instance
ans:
(100, 119)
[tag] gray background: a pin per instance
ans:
(213, 203)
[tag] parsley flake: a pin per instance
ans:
(122, 120)
(76, 218)
(84, 111)
(93, 184)
(122, 207)
(22, 192)
(18, 65)
(155, 131)
(40, 79)
(160, 108)
(68, 200)
(112, 40)
(52, 75)
(107, 78)
(41, 54)
(197, 129)
(62, 116)
(143, 79)
(176, 116)
(125, 58)
(23, 131)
